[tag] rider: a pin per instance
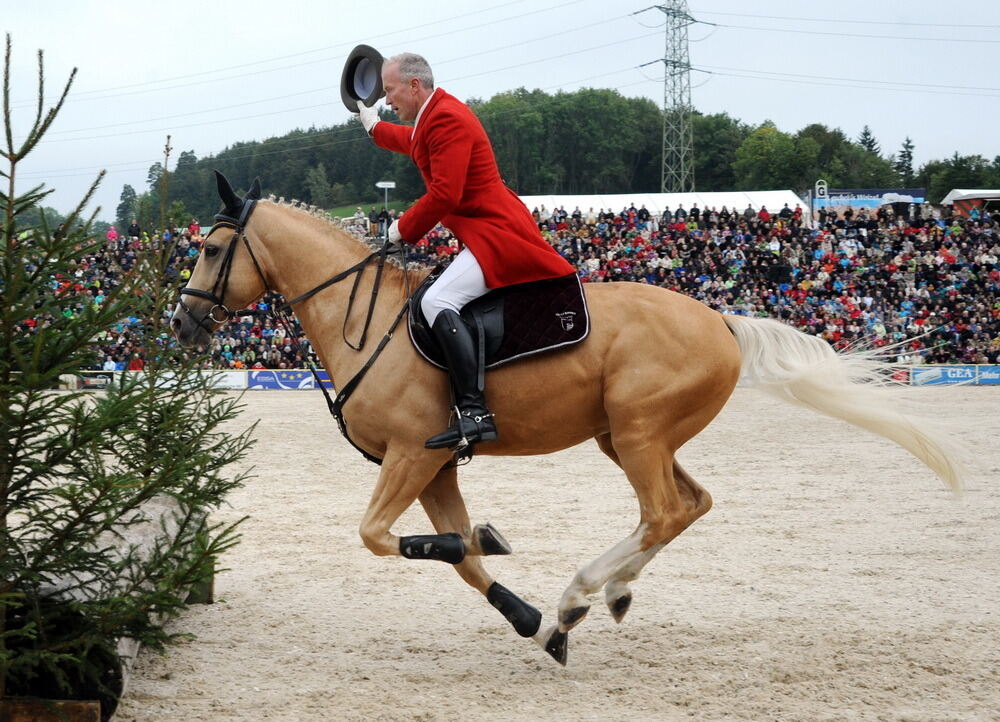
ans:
(501, 243)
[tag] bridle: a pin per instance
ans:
(219, 313)
(218, 291)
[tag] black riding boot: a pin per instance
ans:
(474, 422)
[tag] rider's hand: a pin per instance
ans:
(368, 116)
(394, 235)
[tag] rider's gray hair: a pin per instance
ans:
(412, 65)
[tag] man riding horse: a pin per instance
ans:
(501, 243)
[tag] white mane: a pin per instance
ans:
(322, 215)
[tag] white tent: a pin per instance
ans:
(968, 194)
(657, 202)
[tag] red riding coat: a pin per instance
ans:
(466, 194)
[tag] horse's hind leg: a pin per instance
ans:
(617, 593)
(664, 514)
(442, 501)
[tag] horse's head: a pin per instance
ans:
(226, 276)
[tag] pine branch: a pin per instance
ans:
(8, 124)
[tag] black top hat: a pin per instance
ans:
(362, 78)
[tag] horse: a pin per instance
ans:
(656, 368)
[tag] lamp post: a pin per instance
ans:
(386, 185)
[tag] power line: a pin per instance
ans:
(713, 70)
(324, 144)
(332, 103)
(195, 112)
(860, 80)
(853, 22)
(854, 84)
(554, 57)
(76, 97)
(861, 35)
(723, 71)
(191, 125)
(546, 37)
(279, 57)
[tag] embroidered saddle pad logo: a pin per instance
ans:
(566, 317)
(517, 321)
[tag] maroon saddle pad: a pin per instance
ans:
(515, 321)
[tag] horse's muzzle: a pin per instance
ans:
(187, 330)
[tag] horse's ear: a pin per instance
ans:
(226, 192)
(254, 193)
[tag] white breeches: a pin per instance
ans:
(461, 282)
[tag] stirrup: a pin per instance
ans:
(463, 442)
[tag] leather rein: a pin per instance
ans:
(219, 313)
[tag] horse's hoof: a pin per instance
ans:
(571, 617)
(619, 607)
(490, 540)
(557, 646)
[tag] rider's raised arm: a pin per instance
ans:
(392, 136)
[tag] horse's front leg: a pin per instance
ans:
(405, 476)
(442, 501)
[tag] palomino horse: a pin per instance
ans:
(655, 370)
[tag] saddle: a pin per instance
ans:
(512, 322)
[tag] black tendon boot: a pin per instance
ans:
(474, 422)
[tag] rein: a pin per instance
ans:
(280, 313)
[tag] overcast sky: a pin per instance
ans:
(214, 73)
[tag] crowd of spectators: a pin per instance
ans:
(253, 342)
(920, 279)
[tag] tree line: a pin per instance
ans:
(587, 141)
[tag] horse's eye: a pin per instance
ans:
(211, 251)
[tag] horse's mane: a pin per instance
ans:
(320, 214)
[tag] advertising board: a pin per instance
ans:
(942, 375)
(868, 197)
(230, 380)
(284, 379)
(989, 376)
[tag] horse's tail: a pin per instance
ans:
(851, 386)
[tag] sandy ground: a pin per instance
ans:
(834, 579)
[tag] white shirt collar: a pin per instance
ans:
(421, 111)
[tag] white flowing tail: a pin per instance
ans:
(805, 370)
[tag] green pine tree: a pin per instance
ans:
(904, 163)
(83, 473)
(867, 141)
(126, 208)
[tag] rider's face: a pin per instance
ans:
(402, 97)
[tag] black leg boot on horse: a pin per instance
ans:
(473, 421)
